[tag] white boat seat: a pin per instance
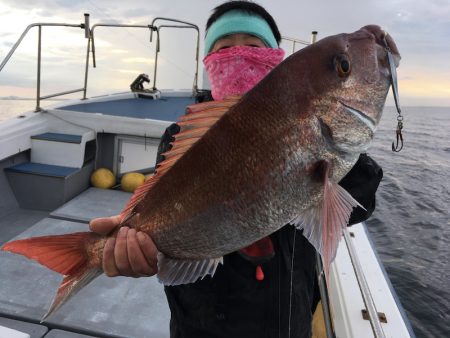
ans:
(6, 332)
(62, 149)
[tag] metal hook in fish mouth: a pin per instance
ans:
(393, 78)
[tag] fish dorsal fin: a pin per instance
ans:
(323, 224)
(199, 118)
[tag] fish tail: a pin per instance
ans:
(65, 254)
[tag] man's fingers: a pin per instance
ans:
(149, 250)
(121, 253)
(137, 260)
(109, 263)
(129, 253)
(104, 225)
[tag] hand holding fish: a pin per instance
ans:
(131, 253)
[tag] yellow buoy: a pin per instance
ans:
(103, 178)
(131, 181)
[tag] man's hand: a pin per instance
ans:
(130, 254)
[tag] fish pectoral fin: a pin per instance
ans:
(181, 271)
(323, 224)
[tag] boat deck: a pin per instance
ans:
(165, 108)
(17, 221)
(99, 309)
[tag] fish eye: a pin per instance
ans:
(342, 65)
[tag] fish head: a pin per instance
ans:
(350, 97)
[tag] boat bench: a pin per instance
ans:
(44, 186)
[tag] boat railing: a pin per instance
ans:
(364, 288)
(153, 28)
(84, 26)
(89, 35)
(296, 42)
(184, 24)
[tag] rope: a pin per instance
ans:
(291, 284)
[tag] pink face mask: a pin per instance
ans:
(236, 70)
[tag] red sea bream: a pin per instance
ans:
(244, 167)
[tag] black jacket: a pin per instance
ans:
(234, 304)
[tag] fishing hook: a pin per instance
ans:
(399, 136)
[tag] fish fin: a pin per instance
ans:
(65, 254)
(193, 125)
(70, 285)
(201, 116)
(180, 271)
(323, 224)
(225, 104)
(138, 196)
(61, 253)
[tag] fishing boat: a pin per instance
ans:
(46, 159)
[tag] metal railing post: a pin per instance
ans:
(38, 93)
(313, 36)
(156, 59)
(87, 35)
(197, 56)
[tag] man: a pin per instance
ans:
(250, 294)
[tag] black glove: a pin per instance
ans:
(362, 183)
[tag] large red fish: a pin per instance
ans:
(242, 168)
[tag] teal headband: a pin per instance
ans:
(238, 21)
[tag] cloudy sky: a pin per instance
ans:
(421, 30)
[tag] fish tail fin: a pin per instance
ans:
(70, 285)
(323, 224)
(65, 254)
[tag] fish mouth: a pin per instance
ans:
(369, 122)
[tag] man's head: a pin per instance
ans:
(240, 23)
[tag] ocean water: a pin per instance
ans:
(411, 225)
(10, 109)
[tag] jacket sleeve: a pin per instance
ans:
(362, 182)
